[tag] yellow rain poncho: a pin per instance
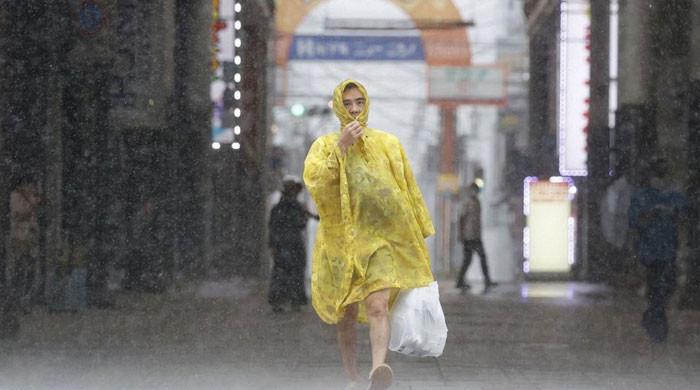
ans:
(373, 217)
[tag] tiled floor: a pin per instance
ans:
(223, 335)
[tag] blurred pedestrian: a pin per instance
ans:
(370, 242)
(24, 269)
(286, 227)
(470, 235)
(614, 224)
(654, 215)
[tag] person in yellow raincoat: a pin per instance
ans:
(371, 238)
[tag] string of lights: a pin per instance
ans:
(228, 40)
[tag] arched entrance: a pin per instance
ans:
(445, 42)
(443, 46)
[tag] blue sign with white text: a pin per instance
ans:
(356, 48)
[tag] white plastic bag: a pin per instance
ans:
(417, 322)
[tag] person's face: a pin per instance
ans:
(354, 102)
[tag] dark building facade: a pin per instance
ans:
(657, 111)
(105, 104)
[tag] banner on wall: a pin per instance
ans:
(479, 84)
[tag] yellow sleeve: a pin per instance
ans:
(416, 197)
(322, 168)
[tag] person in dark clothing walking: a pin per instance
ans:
(655, 214)
(286, 226)
(470, 235)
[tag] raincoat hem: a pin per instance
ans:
(361, 317)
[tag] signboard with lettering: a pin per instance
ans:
(356, 48)
(467, 84)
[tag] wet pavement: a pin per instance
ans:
(223, 335)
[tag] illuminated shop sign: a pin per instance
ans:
(549, 238)
(574, 86)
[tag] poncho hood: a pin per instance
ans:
(341, 112)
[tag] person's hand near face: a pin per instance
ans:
(354, 102)
(350, 134)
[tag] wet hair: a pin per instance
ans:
(350, 86)
(291, 188)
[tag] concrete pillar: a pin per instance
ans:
(695, 40)
(258, 24)
(670, 24)
(446, 208)
(238, 204)
(250, 209)
(690, 296)
(543, 96)
(598, 264)
(598, 133)
(58, 31)
(634, 51)
(4, 167)
(192, 129)
(85, 194)
(141, 115)
(53, 176)
(634, 130)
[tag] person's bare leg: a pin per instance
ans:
(347, 341)
(377, 305)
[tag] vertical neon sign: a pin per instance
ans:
(574, 86)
